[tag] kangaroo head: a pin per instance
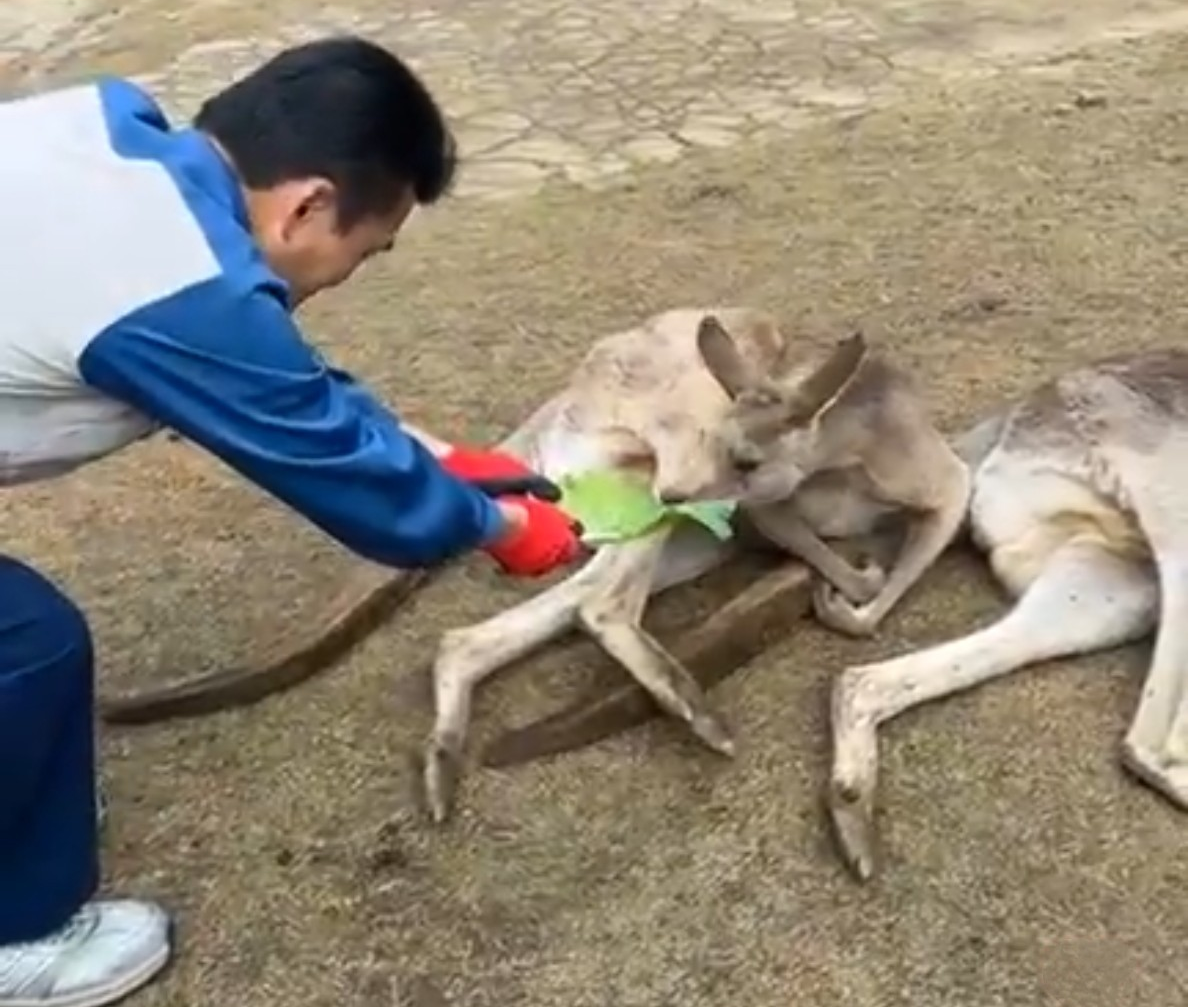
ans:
(772, 439)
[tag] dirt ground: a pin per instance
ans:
(1023, 866)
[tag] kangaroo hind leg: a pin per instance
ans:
(1084, 598)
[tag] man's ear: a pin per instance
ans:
(306, 199)
(720, 355)
(811, 396)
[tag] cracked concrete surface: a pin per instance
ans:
(543, 90)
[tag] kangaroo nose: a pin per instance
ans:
(668, 497)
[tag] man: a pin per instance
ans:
(148, 280)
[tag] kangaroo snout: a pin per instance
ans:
(671, 495)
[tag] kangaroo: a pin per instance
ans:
(1080, 503)
(714, 404)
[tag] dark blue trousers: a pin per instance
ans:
(49, 847)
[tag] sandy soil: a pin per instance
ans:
(1024, 867)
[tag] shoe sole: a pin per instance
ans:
(113, 992)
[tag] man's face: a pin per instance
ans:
(296, 225)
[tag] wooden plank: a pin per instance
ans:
(738, 632)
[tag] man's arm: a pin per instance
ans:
(228, 369)
(434, 445)
(438, 448)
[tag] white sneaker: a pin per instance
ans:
(106, 951)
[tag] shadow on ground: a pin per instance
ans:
(989, 235)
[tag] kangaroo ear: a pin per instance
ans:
(720, 355)
(811, 396)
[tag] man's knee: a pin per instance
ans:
(40, 627)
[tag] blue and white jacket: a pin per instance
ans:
(133, 296)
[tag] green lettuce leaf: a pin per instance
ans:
(615, 506)
(713, 514)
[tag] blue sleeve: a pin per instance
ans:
(229, 370)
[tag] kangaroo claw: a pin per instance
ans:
(852, 815)
(713, 733)
(443, 769)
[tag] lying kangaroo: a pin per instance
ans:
(711, 405)
(1080, 500)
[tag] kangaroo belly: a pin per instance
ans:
(1025, 507)
(837, 504)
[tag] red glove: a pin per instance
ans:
(549, 539)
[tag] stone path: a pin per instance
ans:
(546, 89)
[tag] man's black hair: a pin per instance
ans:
(343, 108)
